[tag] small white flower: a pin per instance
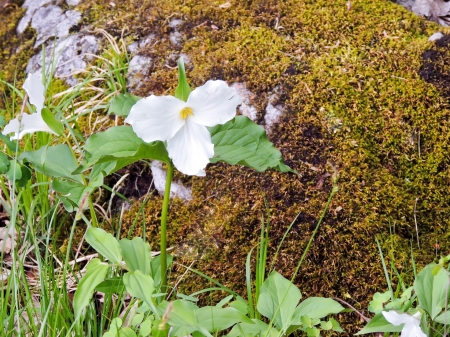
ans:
(183, 124)
(30, 123)
(412, 323)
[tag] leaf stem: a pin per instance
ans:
(163, 242)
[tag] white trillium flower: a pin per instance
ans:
(183, 124)
(412, 323)
(30, 123)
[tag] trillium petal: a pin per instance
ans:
(191, 148)
(213, 103)
(28, 124)
(412, 330)
(156, 117)
(35, 90)
(395, 318)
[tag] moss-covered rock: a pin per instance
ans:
(364, 93)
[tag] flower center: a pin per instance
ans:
(186, 112)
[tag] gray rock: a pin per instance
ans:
(32, 6)
(246, 108)
(177, 190)
(137, 69)
(73, 2)
(436, 36)
(70, 56)
(273, 111)
(50, 22)
(135, 47)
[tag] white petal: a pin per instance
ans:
(395, 318)
(213, 103)
(156, 118)
(191, 148)
(412, 330)
(35, 90)
(29, 124)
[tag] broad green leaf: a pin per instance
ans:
(326, 325)
(241, 141)
(182, 313)
(317, 307)
(104, 243)
(443, 318)
(136, 254)
(312, 332)
(121, 104)
(14, 171)
(257, 328)
(54, 161)
(70, 193)
(25, 176)
(111, 286)
(336, 326)
(146, 328)
(379, 324)
(376, 305)
(156, 268)
(50, 119)
(4, 163)
(141, 286)
(430, 287)
(278, 299)
(121, 145)
(217, 319)
(137, 319)
(95, 273)
(127, 332)
(183, 90)
(11, 144)
(241, 305)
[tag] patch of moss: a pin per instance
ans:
(354, 99)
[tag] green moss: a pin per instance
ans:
(354, 100)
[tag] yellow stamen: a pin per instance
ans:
(186, 112)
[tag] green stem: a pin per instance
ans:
(165, 208)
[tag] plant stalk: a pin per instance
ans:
(163, 242)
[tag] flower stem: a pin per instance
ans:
(165, 208)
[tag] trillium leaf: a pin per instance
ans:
(318, 307)
(136, 254)
(183, 90)
(121, 145)
(379, 324)
(50, 119)
(120, 105)
(54, 161)
(241, 141)
(70, 193)
(217, 319)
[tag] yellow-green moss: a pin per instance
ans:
(354, 100)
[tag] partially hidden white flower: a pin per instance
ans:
(30, 123)
(412, 323)
(183, 124)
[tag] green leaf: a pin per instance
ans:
(380, 324)
(312, 332)
(326, 325)
(70, 193)
(335, 325)
(111, 286)
(376, 305)
(104, 243)
(215, 319)
(137, 319)
(430, 287)
(146, 328)
(95, 273)
(4, 163)
(241, 141)
(11, 144)
(183, 90)
(156, 268)
(25, 176)
(14, 172)
(52, 122)
(121, 145)
(278, 299)
(121, 104)
(257, 328)
(54, 161)
(443, 318)
(141, 286)
(318, 307)
(136, 254)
